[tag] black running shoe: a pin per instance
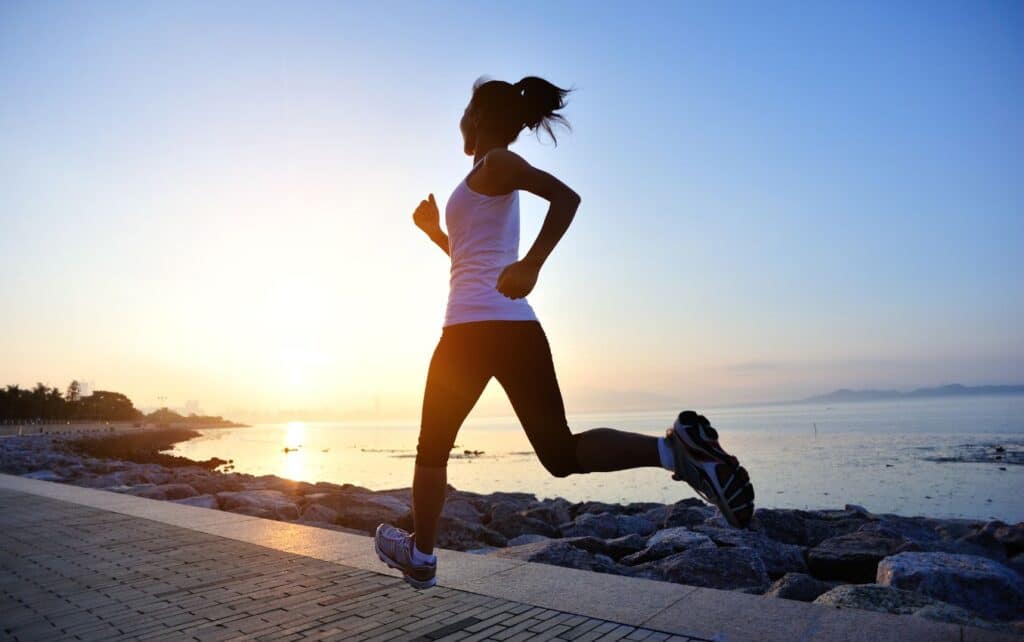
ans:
(715, 474)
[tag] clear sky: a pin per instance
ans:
(212, 201)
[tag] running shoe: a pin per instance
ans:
(715, 474)
(394, 548)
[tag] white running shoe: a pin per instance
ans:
(394, 548)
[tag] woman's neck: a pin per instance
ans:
(483, 148)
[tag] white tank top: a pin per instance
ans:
(483, 238)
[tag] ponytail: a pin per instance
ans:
(541, 100)
(531, 103)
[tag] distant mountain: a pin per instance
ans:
(952, 390)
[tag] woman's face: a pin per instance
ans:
(468, 128)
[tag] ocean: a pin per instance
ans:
(934, 457)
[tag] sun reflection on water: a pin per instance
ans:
(294, 464)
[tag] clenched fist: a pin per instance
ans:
(426, 217)
(518, 279)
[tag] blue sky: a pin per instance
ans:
(211, 201)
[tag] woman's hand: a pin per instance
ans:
(427, 217)
(518, 280)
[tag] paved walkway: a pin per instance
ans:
(77, 572)
(79, 563)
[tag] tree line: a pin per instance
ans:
(43, 403)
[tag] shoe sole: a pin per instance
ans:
(703, 440)
(411, 581)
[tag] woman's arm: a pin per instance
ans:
(428, 218)
(511, 172)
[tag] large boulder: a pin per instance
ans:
(560, 553)
(854, 557)
(260, 503)
(722, 568)
(362, 510)
(970, 581)
(200, 501)
(778, 558)
(798, 586)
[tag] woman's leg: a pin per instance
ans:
(528, 375)
(458, 375)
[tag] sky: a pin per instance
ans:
(212, 201)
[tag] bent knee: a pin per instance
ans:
(562, 462)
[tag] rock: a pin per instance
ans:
(1012, 537)
(463, 536)
(786, 526)
(462, 509)
(972, 582)
(527, 539)
(588, 543)
(778, 558)
(44, 475)
(798, 586)
(1017, 563)
(619, 547)
(917, 529)
(261, 502)
(985, 538)
(201, 501)
(552, 511)
(679, 539)
(633, 525)
(597, 508)
(318, 513)
(516, 524)
(166, 491)
(560, 553)
(678, 514)
(601, 525)
(953, 529)
(942, 612)
(873, 597)
(363, 511)
(857, 509)
(722, 568)
(854, 557)
(666, 542)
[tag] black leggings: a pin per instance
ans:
(518, 355)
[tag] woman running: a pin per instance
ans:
(491, 331)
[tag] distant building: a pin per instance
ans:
(192, 408)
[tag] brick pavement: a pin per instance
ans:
(69, 571)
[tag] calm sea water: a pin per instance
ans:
(879, 455)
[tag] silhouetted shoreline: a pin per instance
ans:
(842, 557)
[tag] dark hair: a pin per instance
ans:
(507, 108)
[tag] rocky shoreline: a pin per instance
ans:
(954, 570)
